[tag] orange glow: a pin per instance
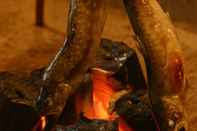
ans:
(40, 124)
(43, 121)
(123, 126)
(101, 94)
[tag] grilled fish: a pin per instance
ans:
(85, 25)
(165, 64)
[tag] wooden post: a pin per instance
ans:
(39, 12)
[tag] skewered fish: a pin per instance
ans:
(85, 25)
(164, 61)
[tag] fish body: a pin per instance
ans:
(165, 64)
(85, 25)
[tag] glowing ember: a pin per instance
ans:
(40, 124)
(101, 94)
(123, 126)
(43, 121)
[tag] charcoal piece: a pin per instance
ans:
(118, 57)
(85, 124)
(69, 115)
(16, 116)
(112, 55)
(23, 86)
(17, 95)
(131, 73)
(135, 109)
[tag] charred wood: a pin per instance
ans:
(131, 72)
(17, 105)
(136, 110)
(119, 58)
(85, 124)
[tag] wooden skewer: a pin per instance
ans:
(39, 12)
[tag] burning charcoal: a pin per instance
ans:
(135, 109)
(85, 124)
(40, 125)
(116, 97)
(18, 92)
(118, 57)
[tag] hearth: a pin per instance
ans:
(112, 96)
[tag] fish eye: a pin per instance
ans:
(171, 123)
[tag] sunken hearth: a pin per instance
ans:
(112, 97)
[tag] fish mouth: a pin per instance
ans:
(182, 126)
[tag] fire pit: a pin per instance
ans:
(108, 88)
(98, 84)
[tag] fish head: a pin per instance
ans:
(173, 114)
